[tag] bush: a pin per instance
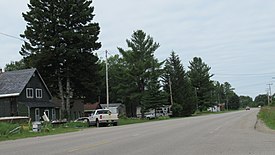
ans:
(177, 110)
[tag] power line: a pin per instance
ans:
(11, 36)
(247, 74)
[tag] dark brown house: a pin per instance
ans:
(24, 93)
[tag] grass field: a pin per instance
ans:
(267, 115)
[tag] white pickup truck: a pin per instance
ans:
(101, 117)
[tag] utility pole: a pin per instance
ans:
(107, 81)
(267, 94)
(270, 94)
(170, 87)
(197, 100)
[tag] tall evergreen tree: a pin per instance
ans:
(182, 92)
(61, 38)
(200, 79)
(139, 60)
(154, 97)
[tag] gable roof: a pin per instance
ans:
(12, 83)
(111, 105)
(92, 106)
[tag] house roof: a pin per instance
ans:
(92, 106)
(12, 83)
(111, 105)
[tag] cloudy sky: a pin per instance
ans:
(236, 38)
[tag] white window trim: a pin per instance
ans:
(27, 89)
(36, 93)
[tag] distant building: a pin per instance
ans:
(118, 108)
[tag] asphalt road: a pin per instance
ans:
(222, 134)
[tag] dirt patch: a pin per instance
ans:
(260, 126)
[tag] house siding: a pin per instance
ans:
(22, 109)
(35, 83)
(5, 105)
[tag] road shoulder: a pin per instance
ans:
(261, 127)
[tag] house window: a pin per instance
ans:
(29, 93)
(37, 114)
(53, 114)
(38, 93)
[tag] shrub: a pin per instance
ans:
(177, 110)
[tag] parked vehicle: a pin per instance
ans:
(247, 108)
(101, 117)
(150, 116)
(153, 115)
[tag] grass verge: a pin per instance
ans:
(9, 131)
(267, 115)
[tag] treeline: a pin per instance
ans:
(138, 78)
(61, 42)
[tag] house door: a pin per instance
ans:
(37, 114)
(53, 114)
(47, 112)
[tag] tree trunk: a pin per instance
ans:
(68, 87)
(61, 95)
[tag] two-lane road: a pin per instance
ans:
(230, 133)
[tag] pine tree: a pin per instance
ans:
(60, 34)
(182, 91)
(138, 62)
(201, 82)
(154, 97)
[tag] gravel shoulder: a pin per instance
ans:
(261, 127)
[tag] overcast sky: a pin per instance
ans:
(236, 38)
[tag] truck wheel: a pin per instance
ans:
(97, 124)
(89, 124)
(115, 124)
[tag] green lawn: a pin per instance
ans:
(10, 131)
(267, 115)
